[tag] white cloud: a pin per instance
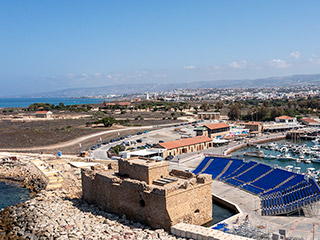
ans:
(239, 65)
(159, 75)
(189, 67)
(97, 74)
(295, 55)
(314, 59)
(279, 63)
(70, 75)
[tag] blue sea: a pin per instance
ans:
(12, 193)
(25, 102)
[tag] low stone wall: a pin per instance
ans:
(226, 203)
(230, 150)
(237, 147)
(199, 233)
(269, 139)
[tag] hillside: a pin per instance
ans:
(287, 81)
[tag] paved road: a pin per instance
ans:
(101, 153)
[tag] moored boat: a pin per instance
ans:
(269, 157)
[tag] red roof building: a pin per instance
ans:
(185, 142)
(285, 119)
(186, 145)
(43, 114)
(310, 122)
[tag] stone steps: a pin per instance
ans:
(55, 180)
(51, 186)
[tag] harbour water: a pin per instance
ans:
(12, 193)
(25, 102)
(219, 213)
(276, 162)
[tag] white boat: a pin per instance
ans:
(269, 157)
(307, 161)
(315, 160)
(301, 156)
(289, 168)
(272, 146)
(297, 169)
(316, 141)
(315, 148)
(285, 157)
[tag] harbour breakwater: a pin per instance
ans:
(239, 146)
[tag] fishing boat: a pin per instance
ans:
(307, 161)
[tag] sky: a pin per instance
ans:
(52, 45)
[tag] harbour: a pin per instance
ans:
(301, 155)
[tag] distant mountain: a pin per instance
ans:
(294, 80)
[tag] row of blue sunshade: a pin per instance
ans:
(281, 191)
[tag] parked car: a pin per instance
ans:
(139, 133)
(93, 148)
(105, 143)
(161, 141)
(170, 157)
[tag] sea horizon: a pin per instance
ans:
(21, 102)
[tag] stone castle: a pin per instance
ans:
(145, 191)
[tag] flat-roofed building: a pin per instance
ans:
(254, 126)
(285, 119)
(185, 145)
(146, 153)
(209, 115)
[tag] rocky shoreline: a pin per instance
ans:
(53, 215)
(62, 214)
(20, 172)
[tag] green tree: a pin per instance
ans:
(219, 105)
(107, 121)
(235, 112)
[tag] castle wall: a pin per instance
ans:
(147, 172)
(159, 207)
